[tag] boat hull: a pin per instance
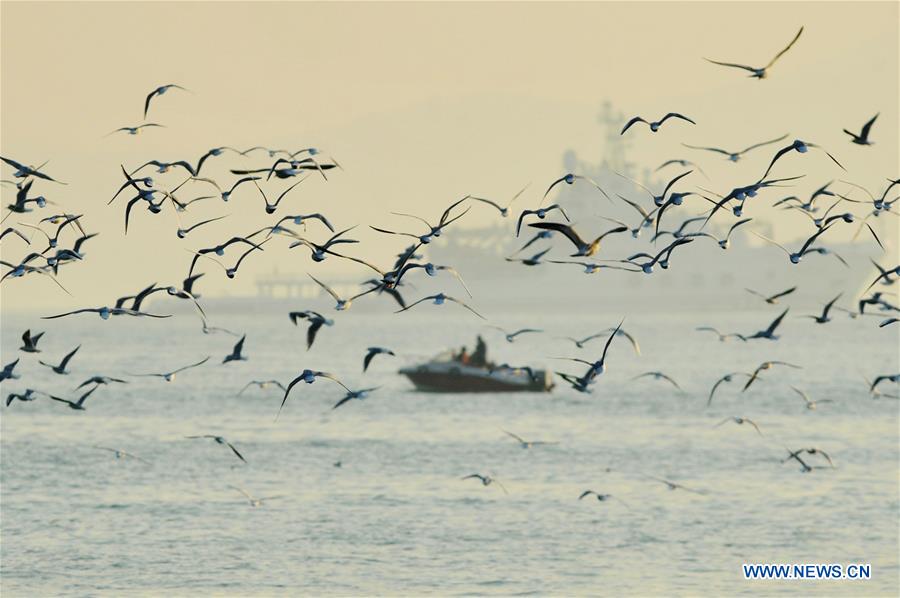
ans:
(457, 378)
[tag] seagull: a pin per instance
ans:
(342, 304)
(232, 271)
(671, 485)
(824, 319)
(769, 333)
(658, 376)
(158, 92)
(879, 379)
(163, 167)
(76, 405)
(355, 394)
(262, 384)
(255, 502)
(308, 376)
(316, 321)
(599, 366)
(647, 267)
(222, 441)
(534, 260)
(23, 171)
(723, 243)
(601, 497)
(735, 156)
(884, 276)
(811, 405)
(739, 421)
(120, 453)
(654, 125)
(216, 151)
(29, 342)
(540, 213)
(371, 352)
(570, 179)
(808, 451)
(485, 480)
(765, 366)
(801, 147)
(511, 336)
(271, 207)
(183, 232)
(863, 137)
(440, 299)
(320, 252)
(722, 337)
(772, 299)
(219, 250)
(759, 73)
(235, 354)
(527, 444)
(170, 376)
(797, 256)
(504, 210)
(28, 395)
(100, 380)
(10, 230)
(135, 130)
(432, 270)
(723, 379)
(7, 372)
(592, 267)
(583, 249)
(681, 163)
(301, 219)
(61, 368)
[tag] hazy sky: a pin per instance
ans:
(420, 103)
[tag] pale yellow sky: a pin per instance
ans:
(421, 104)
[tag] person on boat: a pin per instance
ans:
(464, 357)
(479, 357)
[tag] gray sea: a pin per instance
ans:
(395, 518)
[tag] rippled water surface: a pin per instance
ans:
(395, 518)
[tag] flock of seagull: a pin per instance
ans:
(57, 242)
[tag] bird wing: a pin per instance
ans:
(235, 451)
(565, 229)
(676, 115)
(609, 341)
(327, 288)
(65, 360)
(458, 302)
(788, 47)
(782, 293)
(761, 144)
(368, 359)
(777, 321)
(187, 367)
(636, 119)
(732, 64)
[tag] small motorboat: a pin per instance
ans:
(446, 374)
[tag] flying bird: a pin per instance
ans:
(504, 210)
(29, 342)
(371, 352)
(235, 354)
(658, 376)
(158, 92)
(511, 336)
(255, 502)
(823, 318)
(810, 404)
(724, 379)
(759, 73)
(485, 480)
(735, 156)
(61, 368)
(601, 497)
(863, 137)
(222, 441)
(120, 453)
(766, 365)
(7, 373)
(316, 321)
(527, 444)
(98, 380)
(440, 299)
(583, 248)
(135, 130)
(342, 304)
(654, 125)
(740, 421)
(772, 299)
(263, 384)
(355, 394)
(570, 179)
(76, 405)
(308, 376)
(170, 376)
